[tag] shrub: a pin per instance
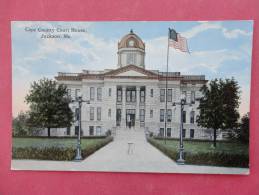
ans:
(56, 153)
(173, 154)
(52, 153)
(218, 159)
(205, 158)
(108, 133)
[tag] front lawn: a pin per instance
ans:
(55, 148)
(230, 154)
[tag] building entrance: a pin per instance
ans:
(130, 117)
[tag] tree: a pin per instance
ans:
(218, 106)
(243, 135)
(49, 105)
(230, 98)
(20, 124)
(211, 108)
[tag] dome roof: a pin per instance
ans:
(131, 40)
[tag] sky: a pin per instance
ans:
(218, 49)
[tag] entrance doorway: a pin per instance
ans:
(130, 117)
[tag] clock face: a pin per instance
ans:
(131, 43)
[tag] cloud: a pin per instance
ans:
(232, 34)
(97, 54)
(205, 25)
(21, 70)
(209, 60)
(50, 56)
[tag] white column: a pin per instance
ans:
(137, 105)
(123, 110)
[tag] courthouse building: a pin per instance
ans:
(132, 97)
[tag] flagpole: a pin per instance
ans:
(166, 86)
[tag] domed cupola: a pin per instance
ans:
(131, 50)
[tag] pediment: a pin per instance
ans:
(131, 70)
(131, 73)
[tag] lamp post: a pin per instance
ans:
(78, 145)
(181, 147)
(79, 99)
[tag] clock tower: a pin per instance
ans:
(131, 51)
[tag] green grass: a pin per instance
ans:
(53, 142)
(226, 154)
(202, 147)
(55, 148)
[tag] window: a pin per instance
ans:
(118, 117)
(162, 95)
(151, 92)
(91, 113)
(193, 97)
(168, 132)
(109, 112)
(91, 93)
(131, 58)
(184, 133)
(68, 131)
(99, 94)
(77, 93)
(110, 91)
(192, 113)
(128, 96)
(99, 130)
(131, 94)
(184, 117)
(191, 133)
(69, 93)
(119, 94)
(169, 95)
(169, 115)
(162, 115)
(142, 115)
(142, 95)
(99, 113)
(91, 130)
(161, 132)
(151, 113)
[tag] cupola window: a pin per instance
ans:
(131, 58)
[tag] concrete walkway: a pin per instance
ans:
(130, 152)
(118, 157)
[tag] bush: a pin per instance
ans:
(56, 153)
(53, 153)
(205, 158)
(108, 133)
(218, 159)
(173, 154)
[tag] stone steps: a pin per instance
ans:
(130, 135)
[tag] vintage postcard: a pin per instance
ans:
(139, 96)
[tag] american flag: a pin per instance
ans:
(177, 41)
